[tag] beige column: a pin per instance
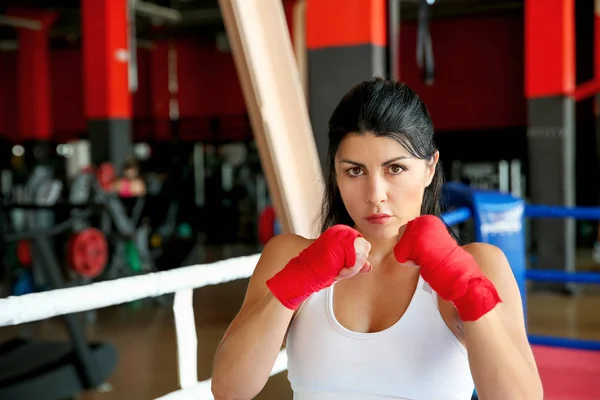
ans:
(274, 96)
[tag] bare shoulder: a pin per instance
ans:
(495, 266)
(281, 249)
(491, 260)
(275, 255)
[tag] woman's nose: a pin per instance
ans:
(376, 192)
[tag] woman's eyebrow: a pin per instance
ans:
(388, 162)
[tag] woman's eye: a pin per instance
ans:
(396, 169)
(356, 171)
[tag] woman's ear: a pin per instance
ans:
(430, 170)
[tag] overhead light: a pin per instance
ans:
(65, 150)
(142, 151)
(18, 150)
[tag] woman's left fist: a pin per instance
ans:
(450, 270)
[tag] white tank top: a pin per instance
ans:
(417, 358)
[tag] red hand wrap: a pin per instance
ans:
(449, 269)
(316, 267)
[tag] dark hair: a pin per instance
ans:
(131, 163)
(385, 108)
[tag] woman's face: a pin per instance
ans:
(381, 183)
(131, 173)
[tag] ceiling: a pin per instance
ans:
(201, 18)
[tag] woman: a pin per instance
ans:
(364, 322)
(131, 185)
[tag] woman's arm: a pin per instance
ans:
(138, 187)
(500, 357)
(133, 188)
(247, 353)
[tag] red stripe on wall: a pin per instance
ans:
(337, 23)
(597, 41)
(33, 97)
(67, 94)
(9, 107)
(105, 59)
(161, 95)
(35, 117)
(549, 47)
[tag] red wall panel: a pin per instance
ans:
(66, 92)
(478, 85)
(550, 47)
(208, 82)
(345, 22)
(142, 98)
(8, 94)
(479, 72)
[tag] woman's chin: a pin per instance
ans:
(379, 232)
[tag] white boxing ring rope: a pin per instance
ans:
(16, 310)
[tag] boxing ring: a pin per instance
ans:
(568, 366)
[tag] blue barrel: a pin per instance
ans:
(276, 227)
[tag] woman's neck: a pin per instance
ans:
(381, 249)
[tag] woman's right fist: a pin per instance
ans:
(361, 251)
(340, 252)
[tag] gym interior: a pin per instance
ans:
(140, 147)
